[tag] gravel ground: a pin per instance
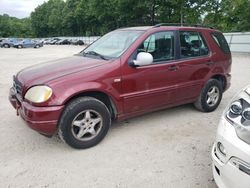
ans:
(168, 148)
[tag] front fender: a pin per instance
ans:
(63, 94)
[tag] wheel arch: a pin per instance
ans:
(221, 78)
(103, 97)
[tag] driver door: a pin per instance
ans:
(151, 86)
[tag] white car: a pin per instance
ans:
(231, 150)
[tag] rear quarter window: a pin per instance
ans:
(221, 42)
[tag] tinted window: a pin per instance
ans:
(159, 45)
(192, 44)
(221, 42)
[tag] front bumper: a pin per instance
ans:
(41, 119)
(230, 171)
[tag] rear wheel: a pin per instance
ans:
(37, 46)
(19, 46)
(84, 122)
(210, 96)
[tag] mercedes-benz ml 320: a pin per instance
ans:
(127, 72)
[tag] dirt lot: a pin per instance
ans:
(169, 148)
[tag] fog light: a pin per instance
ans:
(246, 114)
(221, 148)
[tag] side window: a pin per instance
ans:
(159, 45)
(149, 44)
(192, 44)
(221, 42)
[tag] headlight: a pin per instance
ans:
(38, 94)
(236, 107)
(238, 114)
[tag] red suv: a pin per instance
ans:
(127, 72)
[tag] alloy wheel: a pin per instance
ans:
(213, 95)
(86, 125)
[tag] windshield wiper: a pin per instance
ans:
(95, 54)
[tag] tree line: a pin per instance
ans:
(97, 17)
(14, 27)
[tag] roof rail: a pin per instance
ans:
(182, 24)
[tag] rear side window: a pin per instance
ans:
(192, 44)
(221, 42)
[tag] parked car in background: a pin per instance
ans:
(28, 43)
(80, 42)
(127, 72)
(77, 42)
(42, 40)
(47, 41)
(54, 41)
(7, 43)
(72, 41)
(231, 150)
(63, 42)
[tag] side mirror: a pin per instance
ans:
(143, 58)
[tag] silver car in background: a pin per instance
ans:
(28, 43)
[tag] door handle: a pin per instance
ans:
(209, 62)
(173, 68)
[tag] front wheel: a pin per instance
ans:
(210, 96)
(84, 122)
(6, 46)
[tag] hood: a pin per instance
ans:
(45, 72)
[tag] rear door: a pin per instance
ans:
(194, 64)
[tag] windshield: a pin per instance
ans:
(113, 44)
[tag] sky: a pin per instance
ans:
(19, 8)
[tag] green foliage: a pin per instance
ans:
(97, 17)
(13, 27)
(47, 18)
(228, 15)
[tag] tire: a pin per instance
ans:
(84, 122)
(19, 46)
(6, 45)
(210, 96)
(36, 46)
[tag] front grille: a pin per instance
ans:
(17, 86)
